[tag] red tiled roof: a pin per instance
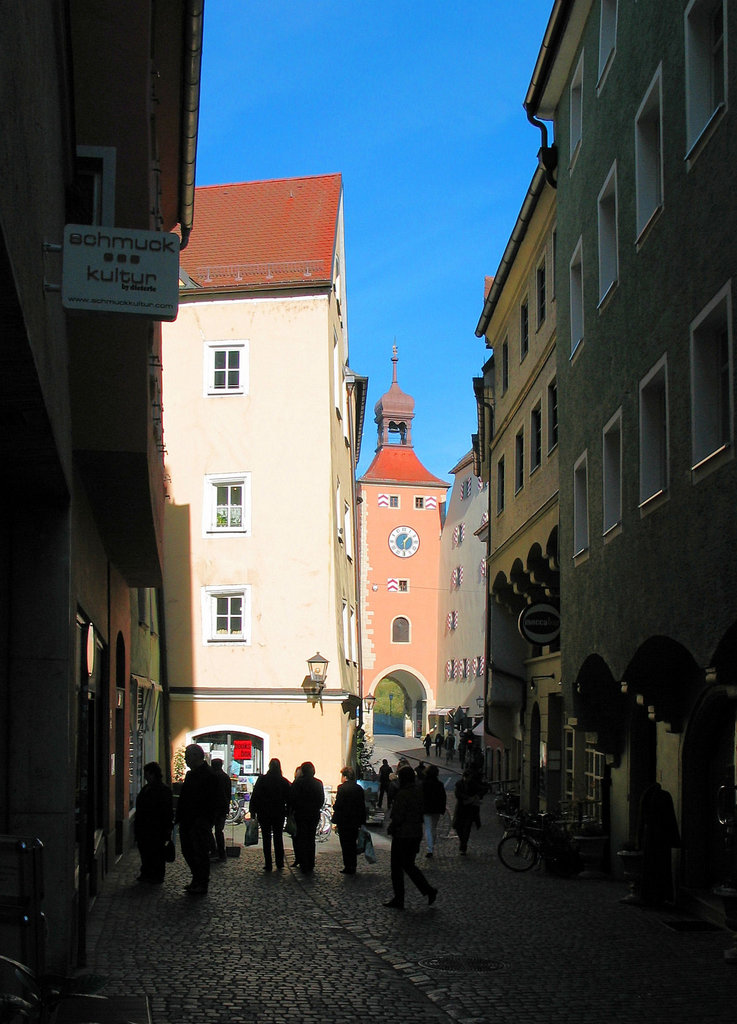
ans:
(264, 233)
(397, 464)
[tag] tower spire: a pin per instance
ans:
(394, 412)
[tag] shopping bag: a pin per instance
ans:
(290, 825)
(368, 849)
(251, 832)
(361, 839)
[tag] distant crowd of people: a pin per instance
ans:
(416, 802)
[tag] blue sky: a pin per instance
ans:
(419, 106)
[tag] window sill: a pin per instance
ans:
(604, 73)
(647, 226)
(580, 557)
(575, 349)
(705, 134)
(606, 297)
(715, 460)
(612, 531)
(653, 502)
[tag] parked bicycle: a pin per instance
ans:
(237, 811)
(324, 825)
(530, 840)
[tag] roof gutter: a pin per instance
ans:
(513, 246)
(191, 79)
(557, 25)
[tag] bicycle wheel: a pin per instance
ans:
(517, 853)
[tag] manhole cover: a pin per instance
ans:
(461, 964)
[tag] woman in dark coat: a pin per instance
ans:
(269, 804)
(153, 824)
(349, 813)
(405, 828)
(433, 805)
(468, 792)
(306, 798)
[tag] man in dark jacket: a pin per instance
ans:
(195, 816)
(349, 813)
(153, 824)
(384, 773)
(223, 789)
(306, 798)
(269, 804)
(405, 828)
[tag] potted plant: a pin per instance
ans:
(591, 841)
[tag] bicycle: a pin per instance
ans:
(531, 840)
(325, 824)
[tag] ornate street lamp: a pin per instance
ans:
(368, 703)
(318, 667)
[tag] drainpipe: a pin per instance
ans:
(191, 78)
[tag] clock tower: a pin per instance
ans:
(400, 516)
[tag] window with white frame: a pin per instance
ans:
(354, 636)
(576, 279)
(706, 68)
(612, 472)
(519, 460)
(711, 378)
(419, 501)
(500, 495)
(348, 530)
(552, 414)
(607, 36)
(608, 246)
(524, 329)
(649, 153)
(536, 438)
(346, 632)
(226, 369)
(654, 432)
(576, 111)
(226, 615)
(337, 376)
(393, 501)
(505, 365)
(541, 292)
(227, 504)
(580, 505)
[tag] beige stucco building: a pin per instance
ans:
(462, 596)
(262, 421)
(518, 449)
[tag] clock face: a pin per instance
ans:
(403, 541)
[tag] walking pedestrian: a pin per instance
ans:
(268, 803)
(384, 773)
(468, 793)
(349, 813)
(153, 824)
(427, 742)
(405, 828)
(433, 805)
(195, 816)
(223, 789)
(306, 798)
(438, 743)
(450, 742)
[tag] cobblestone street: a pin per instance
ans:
(497, 946)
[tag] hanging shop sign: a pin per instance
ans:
(539, 624)
(116, 270)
